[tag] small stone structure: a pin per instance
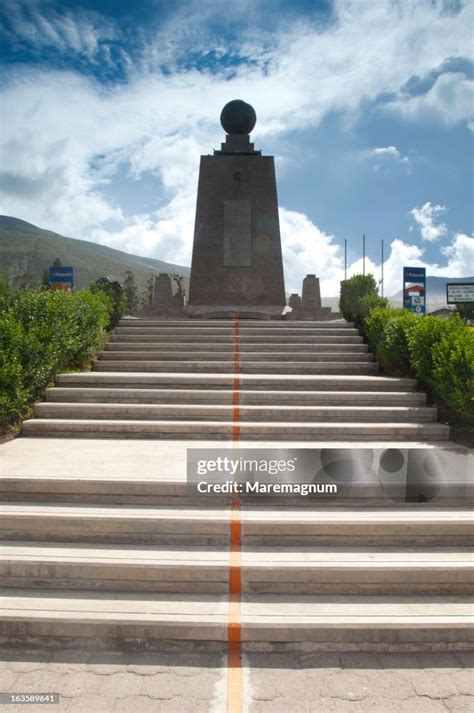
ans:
(163, 292)
(309, 306)
(164, 302)
(311, 296)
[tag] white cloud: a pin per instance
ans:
(389, 152)
(42, 26)
(307, 249)
(384, 155)
(426, 217)
(450, 101)
(460, 255)
(386, 151)
(163, 234)
(64, 137)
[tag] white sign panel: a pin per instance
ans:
(459, 292)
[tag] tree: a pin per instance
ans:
(358, 297)
(45, 279)
(179, 279)
(131, 292)
(57, 262)
(26, 281)
(148, 299)
(465, 311)
(115, 292)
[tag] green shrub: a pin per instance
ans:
(353, 291)
(374, 326)
(367, 303)
(439, 352)
(116, 296)
(453, 368)
(388, 332)
(40, 334)
(424, 338)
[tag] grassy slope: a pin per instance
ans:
(24, 248)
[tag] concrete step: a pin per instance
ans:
(153, 472)
(290, 431)
(229, 347)
(244, 356)
(335, 623)
(212, 412)
(270, 527)
(347, 570)
(245, 367)
(56, 522)
(114, 568)
(210, 332)
(162, 492)
(200, 570)
(230, 323)
(229, 337)
(254, 382)
(59, 394)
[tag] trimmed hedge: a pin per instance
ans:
(442, 352)
(42, 333)
(388, 332)
(439, 352)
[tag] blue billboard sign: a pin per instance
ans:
(414, 289)
(61, 278)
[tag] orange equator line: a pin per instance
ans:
(236, 391)
(234, 663)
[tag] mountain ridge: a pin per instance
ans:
(26, 249)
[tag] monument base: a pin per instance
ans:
(229, 311)
(325, 314)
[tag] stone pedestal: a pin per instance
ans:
(164, 302)
(163, 292)
(311, 307)
(311, 296)
(237, 261)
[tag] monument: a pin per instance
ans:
(237, 262)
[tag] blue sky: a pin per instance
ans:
(367, 106)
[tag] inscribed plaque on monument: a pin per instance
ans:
(237, 233)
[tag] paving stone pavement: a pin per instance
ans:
(195, 682)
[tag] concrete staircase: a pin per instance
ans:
(102, 546)
(92, 574)
(301, 381)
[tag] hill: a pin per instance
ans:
(26, 249)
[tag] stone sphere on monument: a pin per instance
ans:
(238, 117)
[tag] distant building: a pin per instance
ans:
(443, 312)
(415, 290)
